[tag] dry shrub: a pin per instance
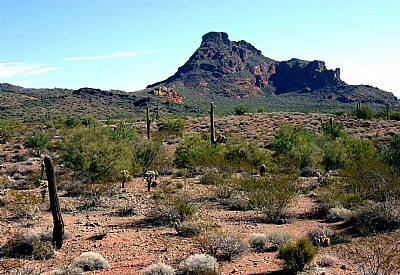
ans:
(158, 269)
(379, 255)
(91, 261)
(224, 246)
(201, 264)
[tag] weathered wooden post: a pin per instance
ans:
(58, 229)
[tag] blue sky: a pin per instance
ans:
(121, 44)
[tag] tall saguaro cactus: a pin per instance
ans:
(148, 122)
(212, 123)
(58, 229)
(387, 108)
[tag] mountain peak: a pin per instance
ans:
(237, 69)
(216, 37)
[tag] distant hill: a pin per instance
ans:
(230, 69)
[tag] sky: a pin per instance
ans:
(129, 44)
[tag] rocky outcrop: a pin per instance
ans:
(301, 75)
(168, 94)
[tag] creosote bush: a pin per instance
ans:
(297, 253)
(91, 261)
(98, 154)
(158, 269)
(199, 264)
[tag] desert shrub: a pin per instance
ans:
(68, 270)
(197, 153)
(334, 132)
(276, 239)
(241, 109)
(373, 256)
(36, 245)
(270, 195)
(199, 264)
(258, 241)
(395, 115)
(158, 269)
(149, 155)
(371, 179)
(339, 214)
(172, 209)
(392, 153)
(246, 153)
(95, 154)
(297, 254)
(188, 228)
(224, 246)
(212, 177)
(374, 217)
(325, 261)
(99, 154)
(90, 261)
(299, 144)
(8, 129)
(37, 141)
(269, 241)
(23, 205)
(364, 112)
(171, 126)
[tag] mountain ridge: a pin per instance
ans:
(238, 69)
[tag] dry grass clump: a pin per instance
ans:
(224, 246)
(91, 261)
(158, 269)
(199, 264)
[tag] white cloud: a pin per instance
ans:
(109, 56)
(11, 69)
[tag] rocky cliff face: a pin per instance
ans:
(237, 69)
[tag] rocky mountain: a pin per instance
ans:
(236, 69)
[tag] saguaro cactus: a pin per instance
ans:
(331, 126)
(387, 107)
(58, 229)
(212, 123)
(148, 121)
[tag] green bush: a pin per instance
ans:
(171, 126)
(197, 153)
(364, 112)
(297, 254)
(392, 153)
(37, 141)
(334, 132)
(100, 154)
(241, 110)
(299, 144)
(270, 195)
(8, 129)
